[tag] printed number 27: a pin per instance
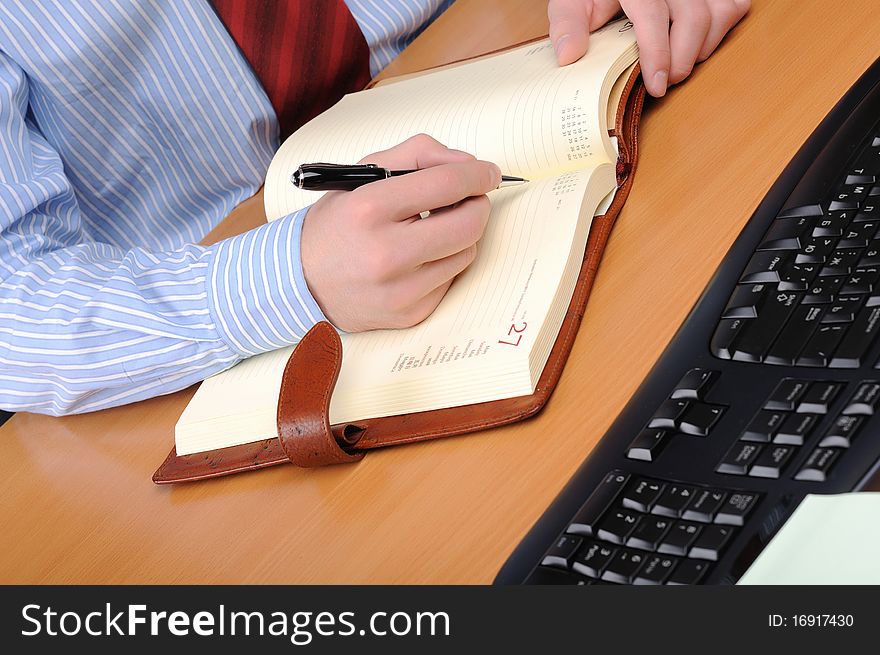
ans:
(513, 329)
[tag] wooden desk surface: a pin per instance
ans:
(77, 502)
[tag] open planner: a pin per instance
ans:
(493, 349)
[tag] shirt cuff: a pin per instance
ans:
(257, 291)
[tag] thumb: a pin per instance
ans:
(571, 22)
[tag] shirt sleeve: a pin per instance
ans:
(86, 325)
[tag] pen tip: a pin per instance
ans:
(509, 180)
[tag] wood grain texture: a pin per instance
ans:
(78, 505)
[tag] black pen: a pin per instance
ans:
(343, 177)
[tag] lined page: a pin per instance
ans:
(518, 109)
(241, 401)
(492, 314)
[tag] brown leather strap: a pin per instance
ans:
(304, 401)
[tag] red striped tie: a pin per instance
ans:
(306, 53)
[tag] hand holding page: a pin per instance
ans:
(492, 334)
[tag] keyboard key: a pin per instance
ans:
(842, 433)
(679, 538)
(785, 234)
(763, 427)
(862, 281)
(696, 382)
(618, 525)
(830, 226)
(745, 302)
(844, 310)
(655, 570)
(588, 516)
(858, 235)
(699, 418)
(673, 500)
(736, 508)
(797, 332)
(868, 213)
(860, 179)
(547, 576)
(623, 566)
(787, 394)
(821, 346)
(842, 205)
(851, 193)
(764, 267)
(641, 494)
(823, 290)
(725, 337)
(815, 250)
(864, 400)
(841, 262)
(795, 429)
(647, 446)
(804, 210)
(761, 331)
(739, 458)
(668, 413)
(648, 533)
(871, 256)
(819, 397)
(819, 464)
(688, 572)
(562, 551)
(704, 505)
(858, 339)
(797, 277)
(771, 462)
(711, 542)
(592, 559)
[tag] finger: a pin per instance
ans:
(403, 197)
(725, 14)
(447, 231)
(423, 308)
(650, 19)
(571, 22)
(569, 28)
(419, 151)
(690, 25)
(429, 283)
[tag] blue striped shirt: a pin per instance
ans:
(110, 172)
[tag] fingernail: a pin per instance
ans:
(559, 43)
(661, 79)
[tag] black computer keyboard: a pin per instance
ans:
(769, 391)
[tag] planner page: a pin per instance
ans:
(518, 109)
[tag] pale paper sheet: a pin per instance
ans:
(829, 539)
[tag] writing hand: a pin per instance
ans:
(673, 35)
(371, 262)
